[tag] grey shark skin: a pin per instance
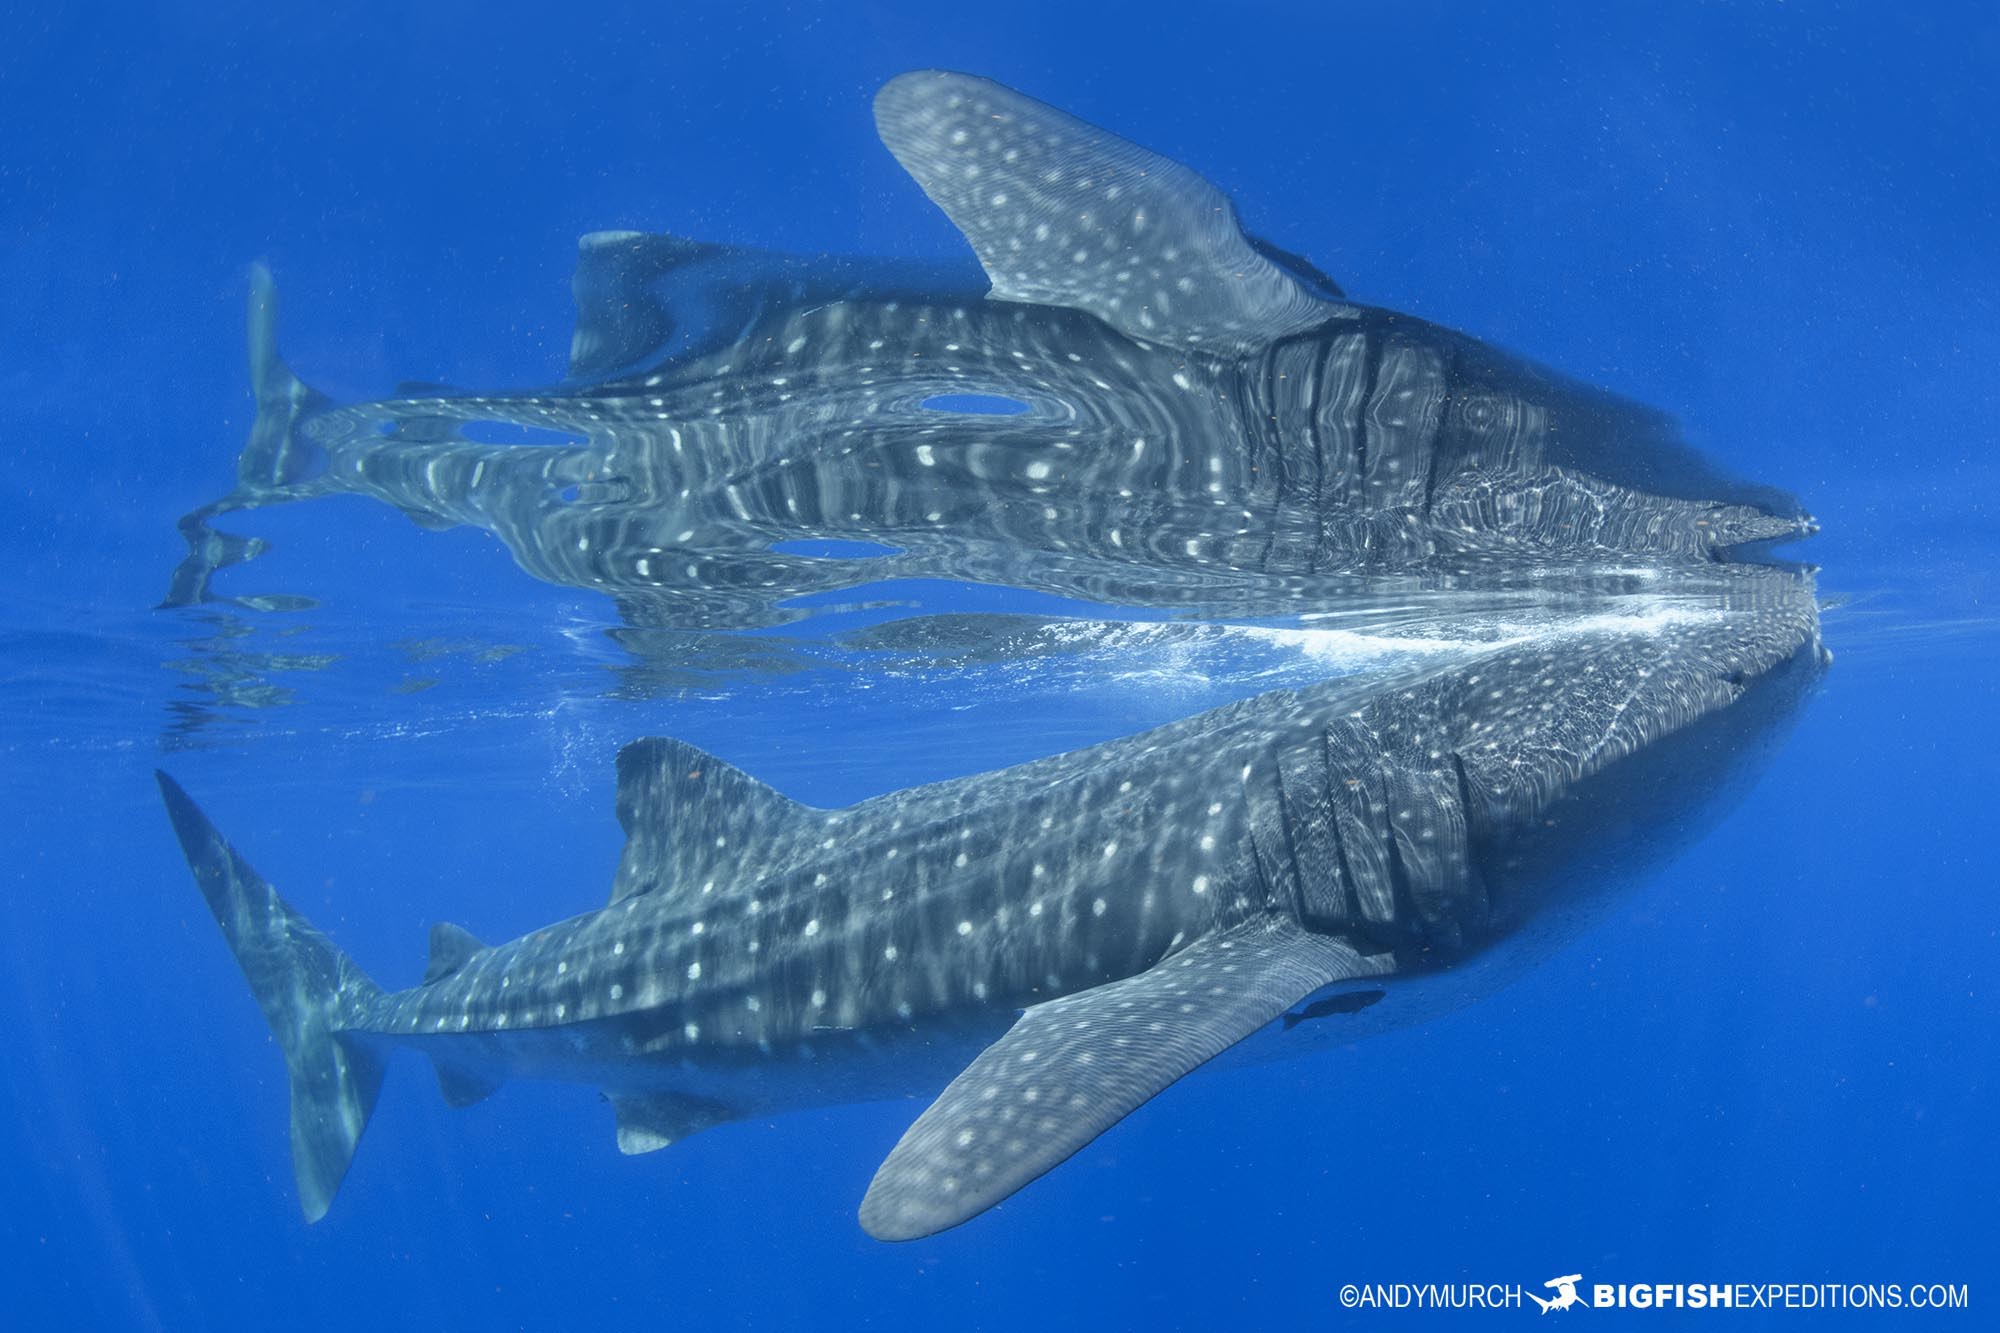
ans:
(1196, 420)
(1086, 928)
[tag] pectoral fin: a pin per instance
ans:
(1072, 1068)
(1063, 213)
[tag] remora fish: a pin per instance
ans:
(1197, 419)
(1107, 919)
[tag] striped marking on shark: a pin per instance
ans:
(1193, 418)
(1080, 931)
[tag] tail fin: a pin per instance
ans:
(274, 455)
(307, 989)
(276, 460)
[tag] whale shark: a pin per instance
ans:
(1133, 400)
(1130, 399)
(1078, 932)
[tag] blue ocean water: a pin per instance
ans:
(1773, 1063)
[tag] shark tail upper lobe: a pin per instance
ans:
(307, 989)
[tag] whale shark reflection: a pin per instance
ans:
(1529, 639)
(1188, 423)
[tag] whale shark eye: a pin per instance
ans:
(975, 404)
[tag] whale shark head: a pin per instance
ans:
(1685, 723)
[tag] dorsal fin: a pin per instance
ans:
(621, 318)
(451, 948)
(694, 824)
(645, 299)
(1063, 213)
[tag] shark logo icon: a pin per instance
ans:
(1565, 1297)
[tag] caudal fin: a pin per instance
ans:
(307, 989)
(276, 464)
(275, 455)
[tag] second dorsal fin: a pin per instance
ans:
(451, 948)
(1063, 213)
